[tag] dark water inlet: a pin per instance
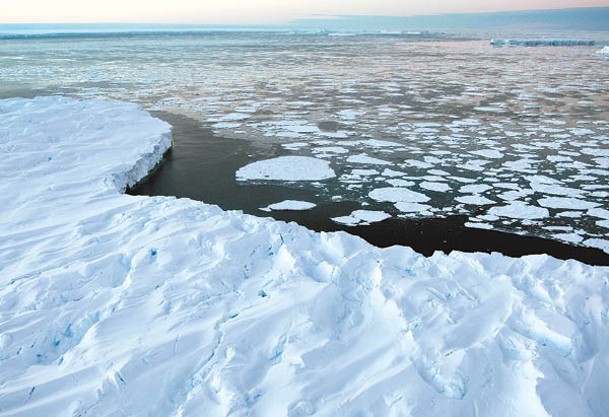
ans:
(202, 167)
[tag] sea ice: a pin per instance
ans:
(566, 203)
(398, 194)
(289, 205)
(474, 188)
(119, 305)
(366, 160)
(488, 153)
(287, 168)
(362, 217)
(406, 207)
(477, 200)
(519, 210)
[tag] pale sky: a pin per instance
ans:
(250, 11)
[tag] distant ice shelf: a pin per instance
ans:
(542, 42)
(119, 305)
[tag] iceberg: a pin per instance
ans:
(119, 305)
(604, 51)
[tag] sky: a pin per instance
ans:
(251, 11)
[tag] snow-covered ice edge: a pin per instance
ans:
(113, 304)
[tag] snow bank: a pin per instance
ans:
(120, 305)
(542, 42)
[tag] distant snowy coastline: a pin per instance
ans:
(113, 304)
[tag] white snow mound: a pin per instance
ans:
(119, 305)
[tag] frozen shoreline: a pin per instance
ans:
(148, 305)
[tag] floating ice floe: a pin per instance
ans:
(362, 217)
(287, 168)
(119, 305)
(519, 210)
(366, 160)
(398, 194)
(289, 205)
(566, 203)
(406, 207)
(476, 200)
(440, 187)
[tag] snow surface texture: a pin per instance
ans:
(119, 305)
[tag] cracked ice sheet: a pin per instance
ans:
(113, 304)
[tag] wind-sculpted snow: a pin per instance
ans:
(120, 305)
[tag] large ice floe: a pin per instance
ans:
(119, 305)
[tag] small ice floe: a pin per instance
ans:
(392, 173)
(475, 200)
(604, 51)
(398, 194)
(601, 244)
(569, 237)
(234, 117)
(488, 153)
(226, 125)
(362, 217)
(566, 203)
(295, 146)
(478, 225)
(365, 159)
(376, 143)
(406, 207)
(474, 188)
(520, 210)
(398, 182)
(601, 213)
(330, 150)
(440, 187)
(287, 168)
(292, 205)
(349, 114)
(570, 214)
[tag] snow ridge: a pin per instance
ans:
(119, 305)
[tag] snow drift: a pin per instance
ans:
(120, 305)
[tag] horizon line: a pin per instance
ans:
(309, 17)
